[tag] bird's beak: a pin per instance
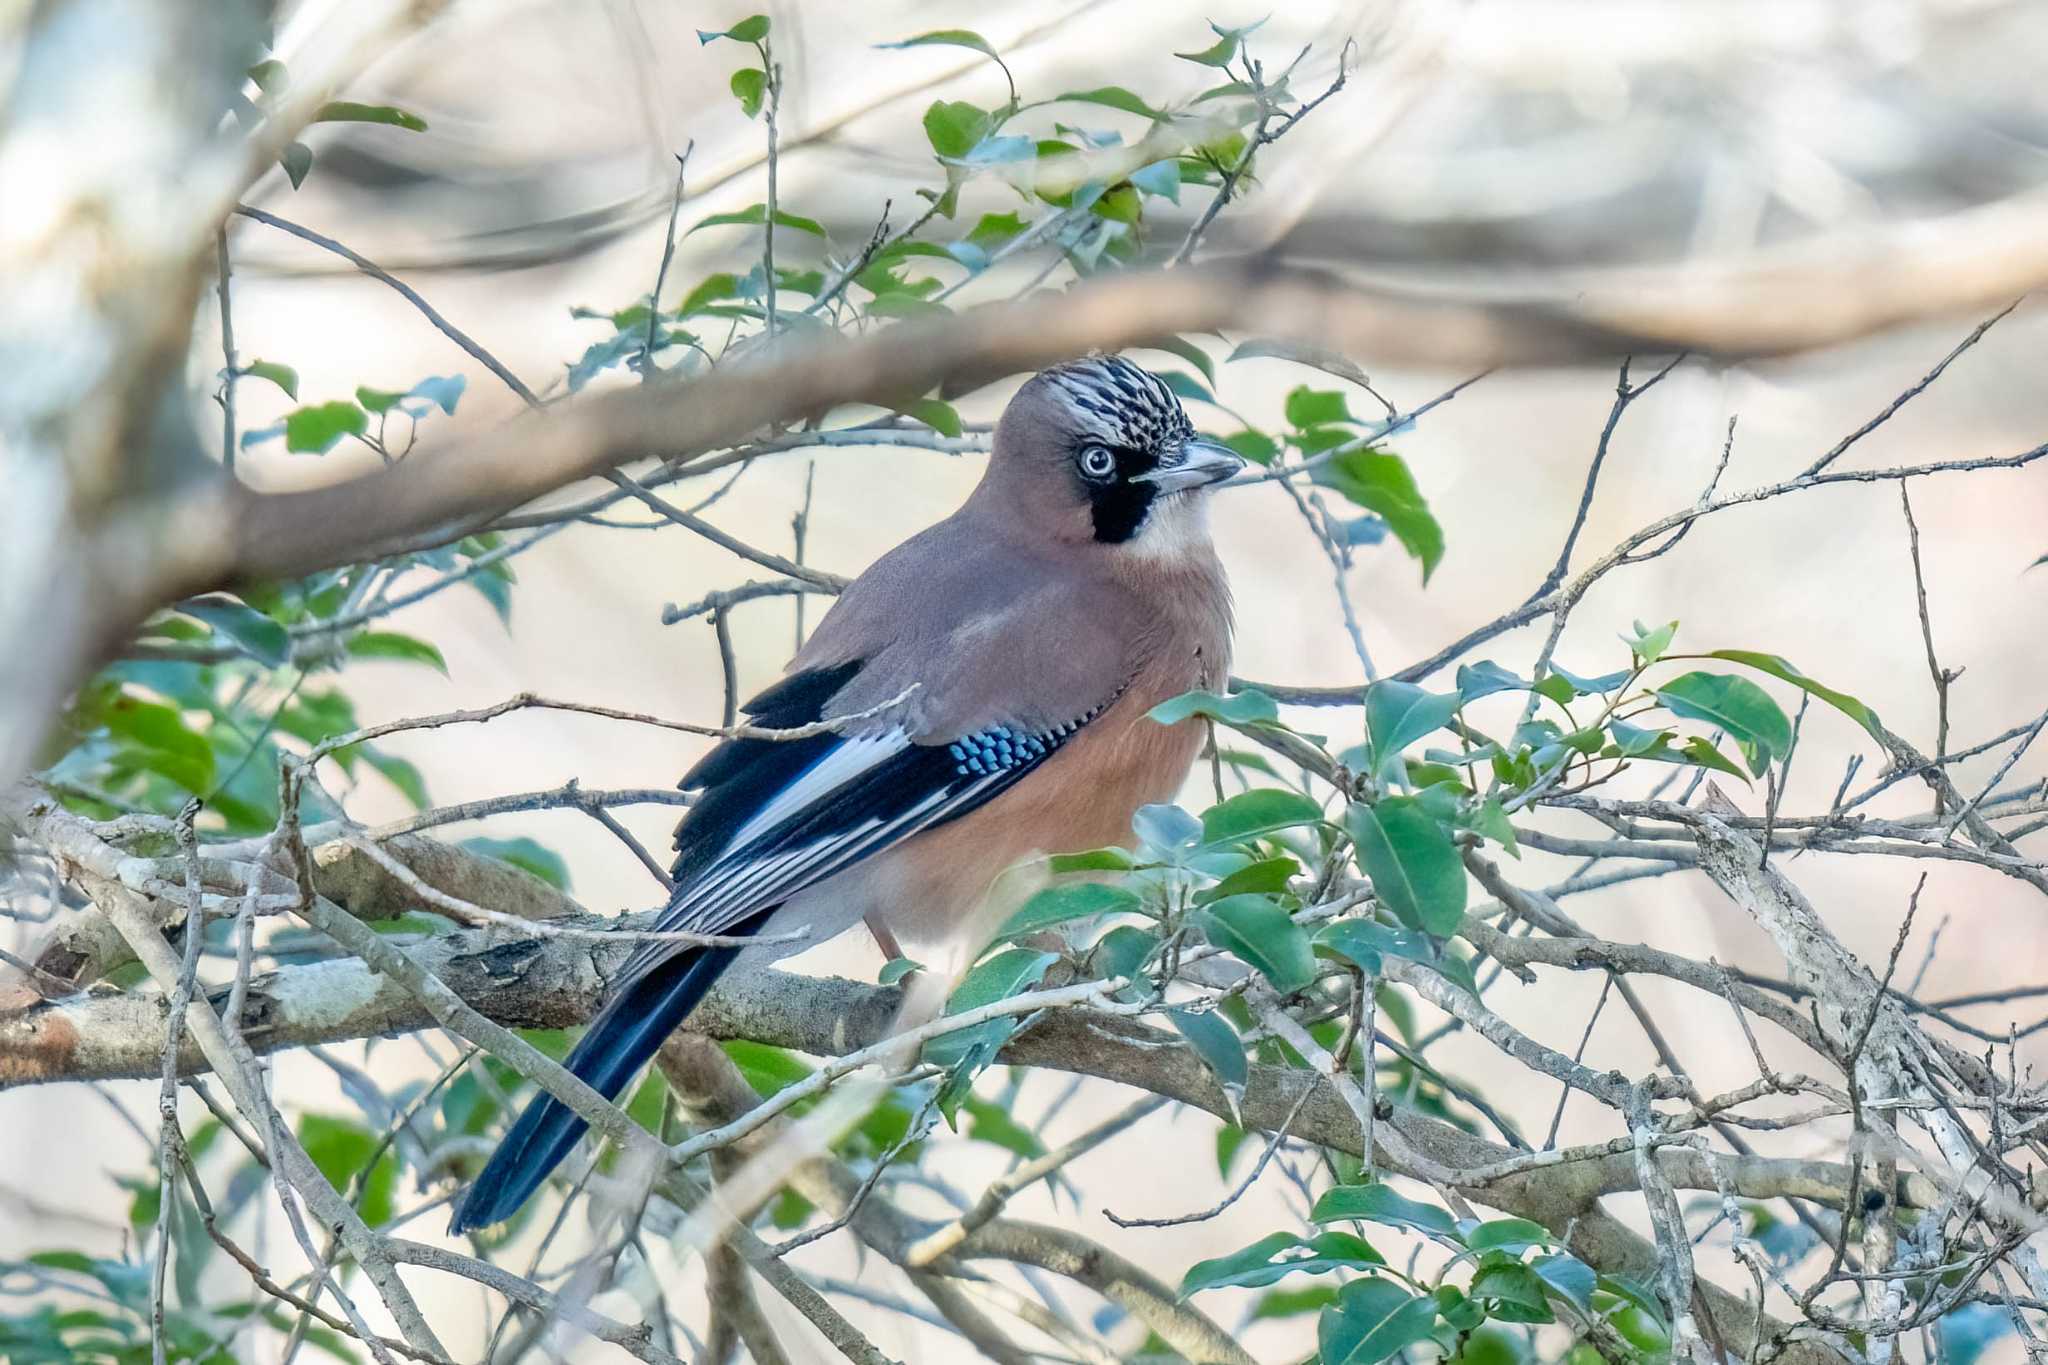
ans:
(1201, 463)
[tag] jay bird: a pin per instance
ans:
(1075, 589)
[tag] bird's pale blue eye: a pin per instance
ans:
(1097, 463)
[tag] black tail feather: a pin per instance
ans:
(620, 1041)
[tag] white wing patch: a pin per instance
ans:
(846, 761)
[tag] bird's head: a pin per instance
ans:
(1098, 450)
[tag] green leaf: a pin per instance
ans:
(749, 86)
(1217, 55)
(297, 160)
(895, 969)
(1218, 1045)
(993, 1124)
(156, 739)
(1380, 1203)
(1268, 1259)
(284, 376)
(1485, 678)
(261, 637)
(528, 855)
(1701, 753)
(1397, 714)
(1374, 1319)
(1092, 860)
(1253, 813)
(340, 1147)
(1255, 446)
(314, 430)
(998, 977)
(749, 30)
(1268, 876)
(1515, 1291)
(1568, 1277)
(1415, 868)
(1305, 353)
(1265, 936)
(954, 127)
(1649, 645)
(1779, 667)
(1113, 97)
(1248, 707)
(755, 215)
(347, 111)
(946, 37)
(391, 644)
(1508, 1234)
(1307, 407)
(940, 417)
(1059, 904)
(711, 289)
(1287, 1303)
(1738, 706)
(1380, 482)
(1490, 818)
(1364, 942)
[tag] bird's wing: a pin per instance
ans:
(776, 816)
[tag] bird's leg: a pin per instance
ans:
(884, 940)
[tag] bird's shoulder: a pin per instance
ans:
(991, 630)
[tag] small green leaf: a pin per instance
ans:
(1490, 818)
(1568, 1277)
(1364, 942)
(1738, 706)
(1253, 813)
(750, 87)
(1268, 876)
(391, 644)
(1381, 1203)
(954, 127)
(377, 401)
(1268, 1259)
(1092, 860)
(1779, 667)
(998, 977)
(1217, 55)
(297, 160)
(314, 430)
(1265, 936)
(940, 417)
(895, 969)
(1509, 1234)
(1374, 1319)
(347, 111)
(1113, 97)
(249, 628)
(1217, 1044)
(1701, 753)
(1398, 713)
(1514, 1290)
(156, 739)
(528, 855)
(748, 30)
(1415, 868)
(755, 215)
(1380, 482)
(1255, 446)
(1307, 407)
(284, 376)
(1649, 645)
(1060, 904)
(340, 1147)
(1485, 678)
(1249, 707)
(946, 37)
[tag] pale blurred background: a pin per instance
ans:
(1474, 138)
